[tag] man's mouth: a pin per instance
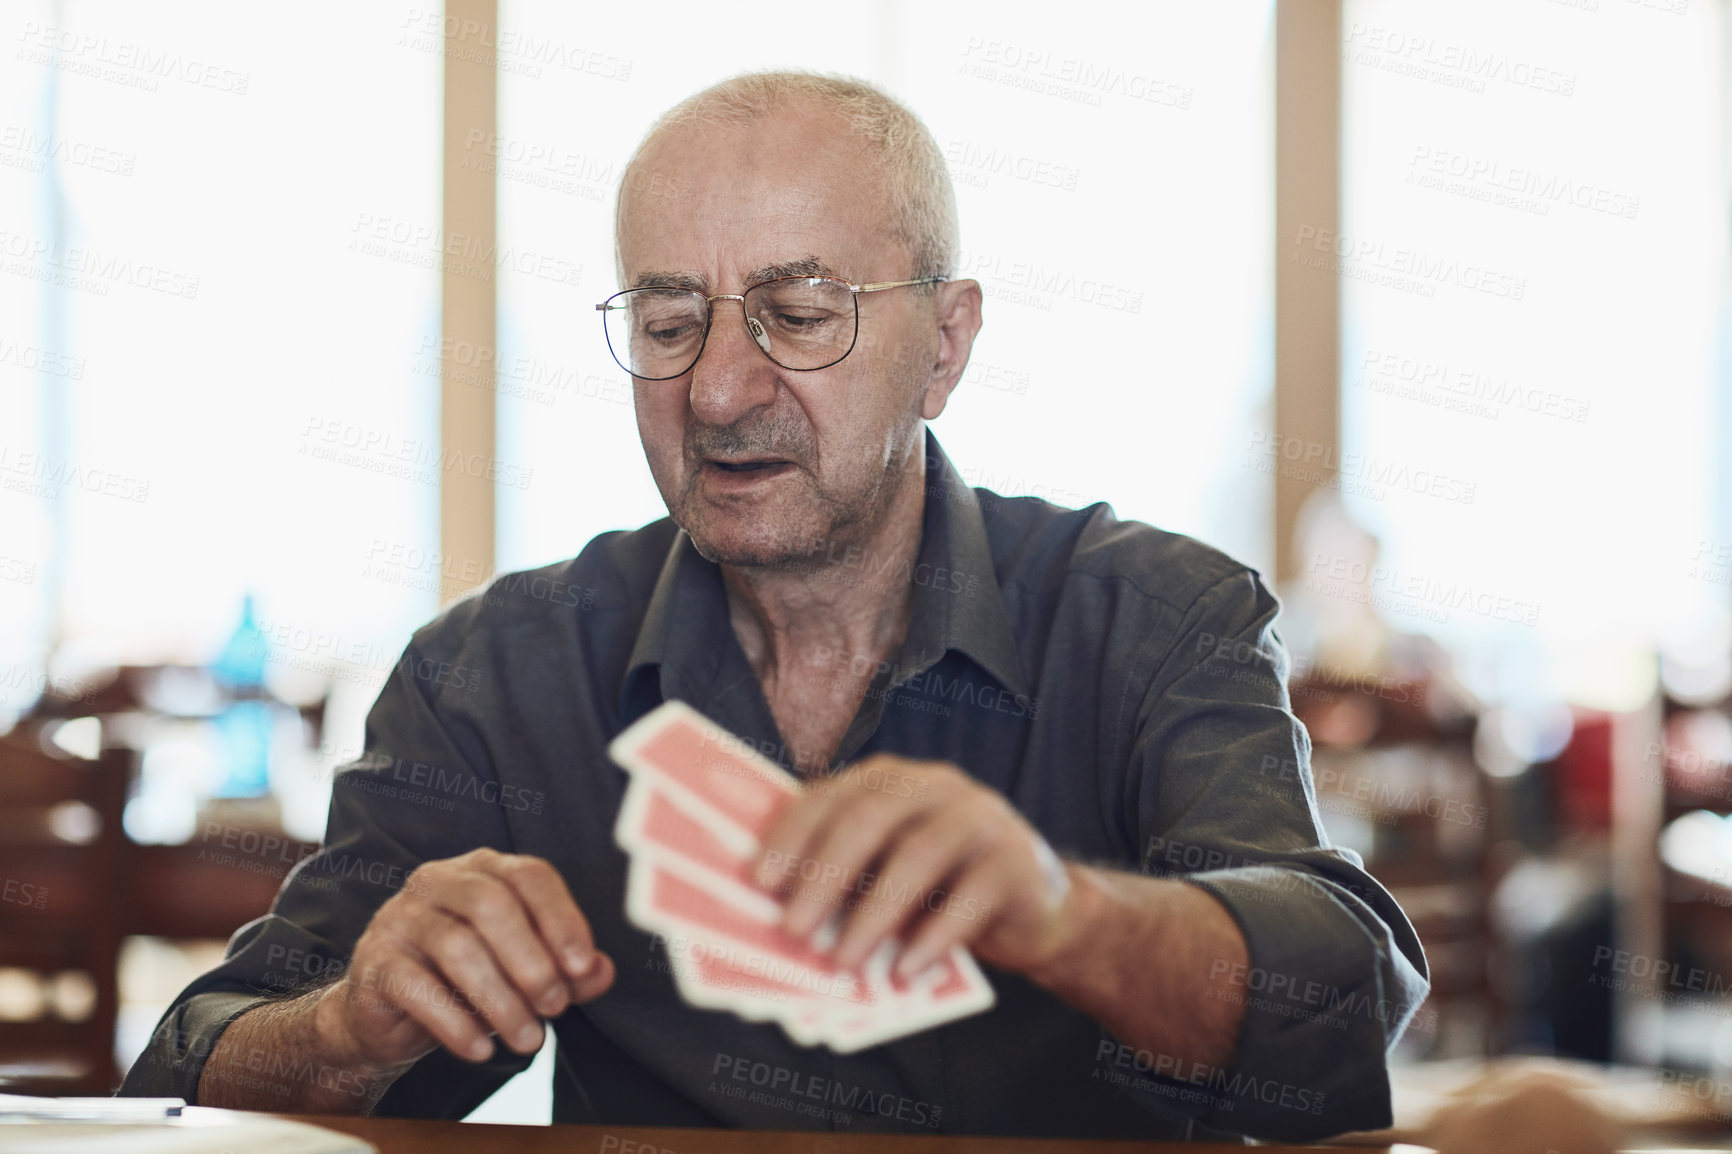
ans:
(748, 466)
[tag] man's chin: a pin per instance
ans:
(746, 546)
(783, 532)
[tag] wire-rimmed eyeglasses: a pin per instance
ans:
(801, 323)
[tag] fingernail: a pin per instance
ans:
(480, 1049)
(578, 962)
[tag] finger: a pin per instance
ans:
(982, 884)
(412, 987)
(458, 954)
(780, 858)
(493, 909)
(595, 983)
(549, 902)
(928, 852)
(858, 833)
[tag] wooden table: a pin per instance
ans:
(404, 1136)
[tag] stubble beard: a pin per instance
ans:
(794, 529)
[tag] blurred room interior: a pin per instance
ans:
(297, 346)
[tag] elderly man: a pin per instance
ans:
(1098, 775)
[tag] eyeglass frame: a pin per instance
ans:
(854, 291)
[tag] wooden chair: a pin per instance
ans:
(61, 893)
(1412, 780)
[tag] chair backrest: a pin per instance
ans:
(61, 847)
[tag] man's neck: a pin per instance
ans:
(847, 609)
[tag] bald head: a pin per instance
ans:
(920, 202)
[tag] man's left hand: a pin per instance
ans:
(921, 850)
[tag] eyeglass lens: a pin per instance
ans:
(802, 323)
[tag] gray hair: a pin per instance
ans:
(922, 200)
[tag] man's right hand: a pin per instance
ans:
(472, 946)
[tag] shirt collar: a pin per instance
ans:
(956, 602)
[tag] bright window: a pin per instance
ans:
(1534, 255)
(217, 302)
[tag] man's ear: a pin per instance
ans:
(958, 305)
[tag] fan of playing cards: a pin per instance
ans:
(698, 806)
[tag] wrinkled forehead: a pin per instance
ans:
(713, 200)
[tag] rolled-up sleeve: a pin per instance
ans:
(421, 790)
(1220, 786)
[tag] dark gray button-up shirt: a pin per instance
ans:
(1122, 686)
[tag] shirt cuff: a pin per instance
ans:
(173, 1061)
(1312, 1052)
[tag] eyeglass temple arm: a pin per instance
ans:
(890, 284)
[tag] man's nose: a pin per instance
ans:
(733, 376)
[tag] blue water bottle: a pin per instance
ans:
(244, 725)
